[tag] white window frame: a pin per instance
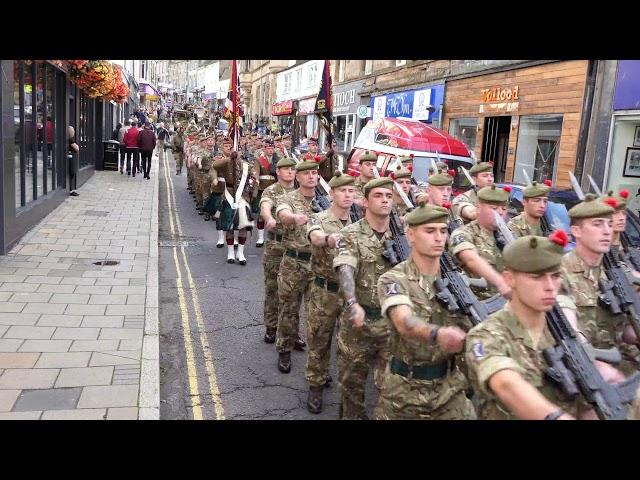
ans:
(287, 83)
(298, 80)
(400, 63)
(368, 67)
(342, 68)
(311, 74)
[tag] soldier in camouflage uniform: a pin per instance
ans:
(536, 197)
(325, 303)
(295, 275)
(438, 194)
(265, 165)
(504, 353)
(619, 219)
(402, 176)
(367, 163)
(274, 249)
(177, 148)
(582, 270)
(422, 379)
(475, 245)
(363, 333)
(464, 205)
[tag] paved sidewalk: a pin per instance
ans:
(79, 340)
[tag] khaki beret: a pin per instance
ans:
(481, 167)
(621, 199)
(340, 180)
(532, 254)
(383, 182)
(405, 159)
(368, 157)
(493, 194)
(440, 180)
(537, 189)
(426, 213)
(591, 208)
(302, 166)
(286, 162)
(401, 172)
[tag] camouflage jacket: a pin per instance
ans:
(295, 236)
(361, 249)
(225, 169)
(520, 228)
(470, 197)
(359, 184)
(502, 343)
(322, 257)
(274, 195)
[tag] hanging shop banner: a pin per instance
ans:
(411, 104)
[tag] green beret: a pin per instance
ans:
(277, 139)
(401, 172)
(591, 208)
(492, 194)
(307, 166)
(440, 180)
(368, 157)
(340, 180)
(442, 165)
(621, 202)
(536, 190)
(481, 167)
(384, 182)
(426, 213)
(531, 254)
(405, 159)
(286, 162)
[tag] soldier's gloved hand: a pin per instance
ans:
(451, 339)
(357, 316)
(270, 224)
(610, 374)
(300, 218)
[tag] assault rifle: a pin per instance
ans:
(571, 367)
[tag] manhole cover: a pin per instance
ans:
(95, 213)
(107, 262)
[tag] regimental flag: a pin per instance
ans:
(324, 106)
(232, 108)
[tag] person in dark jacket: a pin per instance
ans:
(131, 142)
(72, 151)
(123, 148)
(146, 143)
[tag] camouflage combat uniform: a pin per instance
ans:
(470, 197)
(520, 228)
(435, 389)
(474, 237)
(325, 302)
(361, 249)
(295, 275)
(273, 252)
(602, 329)
(501, 342)
(178, 150)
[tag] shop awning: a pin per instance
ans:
(282, 108)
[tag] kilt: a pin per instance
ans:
(229, 218)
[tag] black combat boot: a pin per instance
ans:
(327, 381)
(270, 335)
(299, 344)
(314, 400)
(207, 217)
(284, 362)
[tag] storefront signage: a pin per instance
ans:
(282, 108)
(306, 106)
(499, 94)
(346, 98)
(364, 111)
(412, 104)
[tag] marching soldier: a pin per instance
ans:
(265, 165)
(464, 205)
(177, 148)
(582, 270)
(402, 176)
(274, 249)
(475, 244)
(504, 353)
(241, 183)
(367, 163)
(619, 219)
(325, 304)
(422, 380)
(295, 275)
(286, 142)
(536, 198)
(363, 332)
(329, 162)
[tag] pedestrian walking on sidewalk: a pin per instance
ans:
(72, 150)
(131, 142)
(146, 143)
(163, 139)
(123, 147)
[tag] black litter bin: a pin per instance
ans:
(111, 153)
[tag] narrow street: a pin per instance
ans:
(213, 361)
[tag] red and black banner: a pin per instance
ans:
(324, 106)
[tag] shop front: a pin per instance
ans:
(346, 101)
(284, 112)
(522, 119)
(623, 153)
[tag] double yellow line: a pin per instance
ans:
(184, 313)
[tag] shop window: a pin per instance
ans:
(538, 147)
(465, 130)
(368, 67)
(311, 75)
(30, 133)
(18, 127)
(298, 82)
(624, 159)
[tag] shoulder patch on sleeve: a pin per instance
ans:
(457, 239)
(391, 289)
(478, 350)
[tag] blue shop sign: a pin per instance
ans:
(411, 104)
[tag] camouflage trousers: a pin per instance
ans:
(440, 399)
(271, 265)
(189, 177)
(356, 348)
(323, 311)
(201, 187)
(179, 160)
(294, 283)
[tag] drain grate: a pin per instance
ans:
(107, 262)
